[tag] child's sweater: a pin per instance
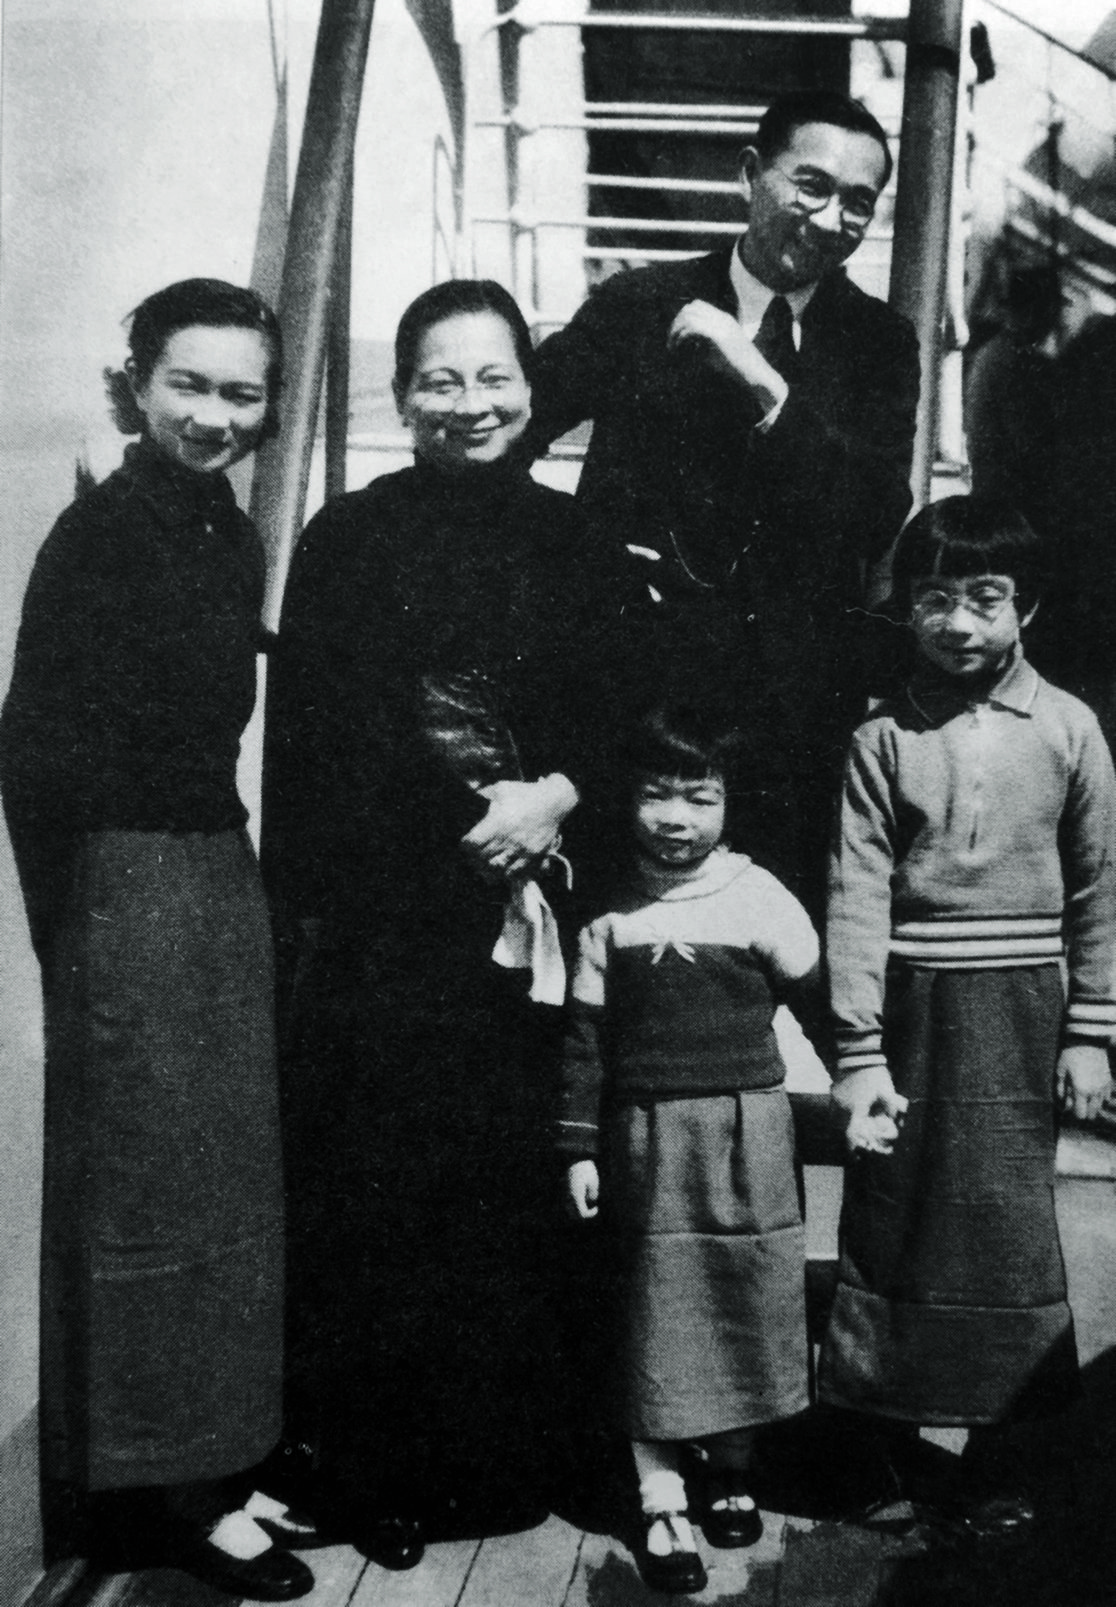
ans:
(975, 835)
(675, 989)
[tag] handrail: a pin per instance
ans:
(670, 108)
(686, 124)
(521, 219)
(882, 28)
(681, 118)
(1060, 44)
(621, 181)
(1053, 200)
(449, 244)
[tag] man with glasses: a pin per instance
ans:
(753, 419)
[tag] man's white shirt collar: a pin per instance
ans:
(752, 298)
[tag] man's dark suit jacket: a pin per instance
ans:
(762, 535)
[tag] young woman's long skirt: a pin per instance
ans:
(162, 1242)
(701, 1199)
(951, 1302)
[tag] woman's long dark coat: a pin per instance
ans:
(417, 1078)
(135, 673)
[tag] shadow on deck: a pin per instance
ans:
(803, 1559)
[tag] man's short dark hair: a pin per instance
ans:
(801, 106)
(964, 536)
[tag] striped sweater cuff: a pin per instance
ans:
(857, 1051)
(1090, 1021)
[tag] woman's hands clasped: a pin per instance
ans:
(521, 827)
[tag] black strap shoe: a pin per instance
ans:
(272, 1576)
(730, 1518)
(393, 1542)
(678, 1572)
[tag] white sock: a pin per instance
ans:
(239, 1537)
(662, 1491)
(660, 1536)
(259, 1505)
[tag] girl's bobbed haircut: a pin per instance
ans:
(679, 739)
(452, 299)
(963, 536)
(210, 302)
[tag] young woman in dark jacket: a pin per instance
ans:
(135, 673)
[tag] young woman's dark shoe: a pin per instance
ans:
(272, 1576)
(393, 1542)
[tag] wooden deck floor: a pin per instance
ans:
(799, 1562)
(796, 1564)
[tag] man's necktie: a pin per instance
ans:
(775, 337)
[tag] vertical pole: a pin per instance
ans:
(337, 360)
(922, 204)
(283, 469)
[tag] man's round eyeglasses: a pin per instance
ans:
(814, 195)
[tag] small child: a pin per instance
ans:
(973, 871)
(674, 1114)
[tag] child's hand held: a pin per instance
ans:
(1084, 1079)
(583, 1182)
(875, 1110)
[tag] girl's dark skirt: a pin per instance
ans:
(702, 1201)
(162, 1242)
(951, 1301)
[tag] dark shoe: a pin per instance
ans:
(999, 1517)
(681, 1571)
(396, 1543)
(730, 1518)
(290, 1529)
(273, 1576)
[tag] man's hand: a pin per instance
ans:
(1083, 1079)
(874, 1109)
(584, 1184)
(726, 347)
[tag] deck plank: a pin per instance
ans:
(532, 1569)
(337, 1573)
(606, 1574)
(840, 1564)
(750, 1574)
(438, 1581)
(154, 1587)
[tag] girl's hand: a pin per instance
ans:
(874, 1109)
(1084, 1078)
(584, 1184)
(522, 826)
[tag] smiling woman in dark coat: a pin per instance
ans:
(446, 659)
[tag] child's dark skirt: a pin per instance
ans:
(709, 1244)
(951, 1302)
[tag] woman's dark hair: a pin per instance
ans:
(962, 536)
(679, 739)
(450, 300)
(211, 302)
(793, 111)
